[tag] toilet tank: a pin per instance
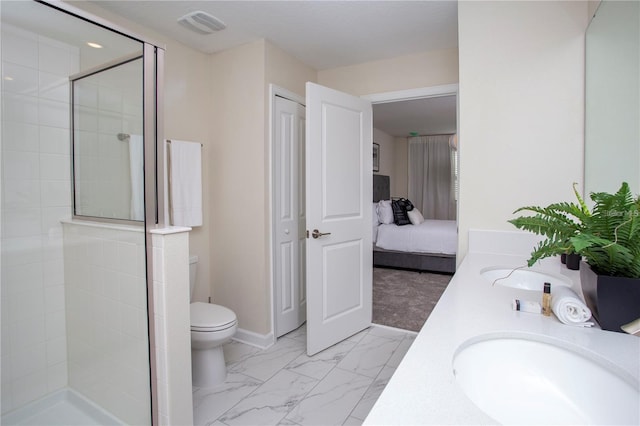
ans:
(193, 265)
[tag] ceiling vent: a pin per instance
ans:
(201, 22)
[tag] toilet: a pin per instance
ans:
(211, 327)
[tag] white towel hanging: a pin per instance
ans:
(185, 183)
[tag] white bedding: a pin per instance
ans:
(431, 236)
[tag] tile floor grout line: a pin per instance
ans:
(336, 367)
(392, 336)
(318, 381)
(374, 380)
(283, 368)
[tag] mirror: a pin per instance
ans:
(612, 95)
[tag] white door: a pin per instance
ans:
(339, 196)
(289, 215)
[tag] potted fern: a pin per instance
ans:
(608, 239)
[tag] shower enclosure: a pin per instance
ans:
(79, 123)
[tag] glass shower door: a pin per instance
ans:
(75, 332)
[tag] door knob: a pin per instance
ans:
(318, 234)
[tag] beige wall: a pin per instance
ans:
(521, 108)
(286, 71)
(404, 72)
(240, 161)
(387, 163)
(238, 230)
(187, 105)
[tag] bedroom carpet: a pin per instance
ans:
(404, 299)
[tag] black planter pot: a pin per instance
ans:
(573, 261)
(614, 301)
(563, 258)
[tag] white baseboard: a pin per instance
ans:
(262, 341)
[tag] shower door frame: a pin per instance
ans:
(72, 79)
(153, 135)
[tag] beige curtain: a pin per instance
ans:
(430, 177)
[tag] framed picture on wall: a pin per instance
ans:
(376, 157)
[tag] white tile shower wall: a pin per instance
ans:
(35, 196)
(107, 317)
(173, 325)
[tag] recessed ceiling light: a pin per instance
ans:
(94, 45)
(202, 22)
(8, 78)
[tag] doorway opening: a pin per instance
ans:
(416, 132)
(391, 100)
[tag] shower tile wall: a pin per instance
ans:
(173, 339)
(35, 196)
(108, 347)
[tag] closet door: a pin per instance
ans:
(289, 216)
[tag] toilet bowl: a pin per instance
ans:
(211, 327)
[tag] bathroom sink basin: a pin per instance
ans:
(525, 279)
(517, 380)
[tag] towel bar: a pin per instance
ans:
(125, 136)
(169, 142)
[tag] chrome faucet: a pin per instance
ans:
(632, 328)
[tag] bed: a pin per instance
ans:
(429, 246)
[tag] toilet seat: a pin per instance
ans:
(207, 317)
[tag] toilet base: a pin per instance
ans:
(208, 368)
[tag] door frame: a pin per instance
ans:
(409, 94)
(422, 93)
(375, 98)
(287, 94)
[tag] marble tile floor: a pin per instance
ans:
(281, 385)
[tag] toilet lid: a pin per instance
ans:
(209, 317)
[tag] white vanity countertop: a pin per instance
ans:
(423, 390)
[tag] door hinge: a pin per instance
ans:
(307, 234)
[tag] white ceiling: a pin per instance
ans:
(322, 34)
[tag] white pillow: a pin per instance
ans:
(374, 216)
(415, 216)
(385, 212)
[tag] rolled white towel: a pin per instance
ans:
(568, 307)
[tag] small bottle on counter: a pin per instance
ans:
(526, 306)
(546, 300)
